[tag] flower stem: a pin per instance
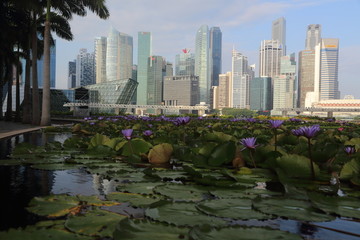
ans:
(275, 133)
(252, 158)
(311, 160)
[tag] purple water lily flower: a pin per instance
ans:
(100, 118)
(350, 150)
(297, 132)
(183, 120)
(294, 120)
(147, 133)
(249, 142)
(308, 132)
(251, 120)
(276, 123)
(127, 133)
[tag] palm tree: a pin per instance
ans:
(66, 8)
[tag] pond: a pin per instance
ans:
(19, 184)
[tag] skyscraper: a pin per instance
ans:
(326, 58)
(216, 49)
(222, 92)
(306, 74)
(284, 84)
(185, 63)
(261, 94)
(72, 74)
(313, 36)
(156, 73)
(240, 81)
(270, 54)
(119, 56)
(85, 68)
(144, 52)
(203, 63)
(181, 90)
(279, 32)
(100, 59)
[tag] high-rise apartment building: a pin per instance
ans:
(156, 73)
(222, 93)
(72, 74)
(100, 59)
(313, 36)
(261, 98)
(240, 81)
(119, 56)
(144, 52)
(279, 32)
(85, 68)
(270, 53)
(216, 51)
(203, 62)
(185, 63)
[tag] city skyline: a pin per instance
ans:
(243, 28)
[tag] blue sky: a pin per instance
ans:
(244, 24)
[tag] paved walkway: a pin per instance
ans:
(9, 129)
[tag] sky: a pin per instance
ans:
(244, 24)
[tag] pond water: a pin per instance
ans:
(19, 184)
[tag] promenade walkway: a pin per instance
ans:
(9, 129)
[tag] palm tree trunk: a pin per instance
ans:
(35, 88)
(45, 116)
(26, 103)
(8, 78)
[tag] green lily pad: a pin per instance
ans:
(61, 205)
(350, 169)
(222, 154)
(290, 208)
(98, 140)
(134, 229)
(250, 193)
(11, 162)
(343, 206)
(182, 193)
(296, 166)
(135, 146)
(34, 233)
(235, 233)
(235, 208)
(134, 199)
(180, 214)
(94, 223)
(139, 187)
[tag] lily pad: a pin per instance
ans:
(296, 166)
(290, 208)
(139, 187)
(182, 193)
(180, 214)
(135, 146)
(134, 199)
(250, 193)
(343, 206)
(58, 166)
(160, 153)
(235, 233)
(134, 229)
(94, 223)
(235, 208)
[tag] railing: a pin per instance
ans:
(109, 105)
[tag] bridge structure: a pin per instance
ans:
(329, 111)
(75, 106)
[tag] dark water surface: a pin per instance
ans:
(19, 184)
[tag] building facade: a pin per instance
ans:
(119, 56)
(203, 63)
(306, 75)
(216, 51)
(181, 90)
(222, 93)
(279, 32)
(144, 52)
(270, 53)
(85, 68)
(185, 63)
(313, 36)
(240, 81)
(261, 94)
(156, 73)
(72, 74)
(100, 59)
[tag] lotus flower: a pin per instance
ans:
(276, 123)
(308, 132)
(182, 120)
(127, 133)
